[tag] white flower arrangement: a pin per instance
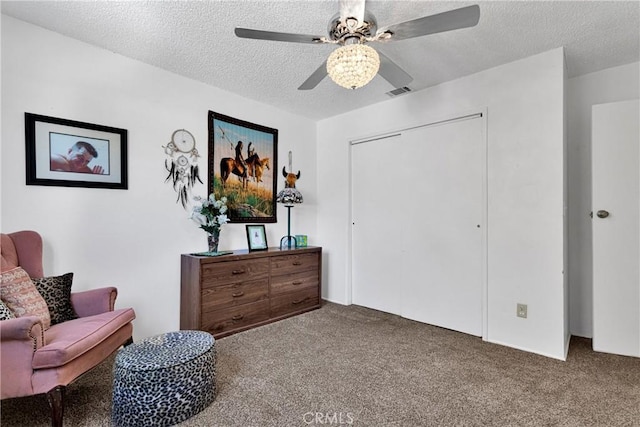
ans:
(210, 214)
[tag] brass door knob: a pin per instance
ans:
(602, 214)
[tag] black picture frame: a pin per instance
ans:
(256, 238)
(250, 197)
(69, 153)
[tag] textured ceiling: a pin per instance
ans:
(196, 39)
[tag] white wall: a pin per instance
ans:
(131, 239)
(610, 85)
(525, 105)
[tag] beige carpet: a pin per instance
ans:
(354, 366)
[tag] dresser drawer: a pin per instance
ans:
(294, 282)
(288, 264)
(229, 272)
(290, 303)
(236, 317)
(225, 296)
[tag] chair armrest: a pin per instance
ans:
(19, 339)
(28, 329)
(94, 301)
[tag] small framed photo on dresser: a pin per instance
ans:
(256, 238)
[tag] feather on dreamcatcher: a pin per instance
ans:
(182, 164)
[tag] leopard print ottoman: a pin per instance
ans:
(164, 380)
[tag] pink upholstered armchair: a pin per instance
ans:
(34, 360)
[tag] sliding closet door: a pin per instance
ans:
(424, 200)
(443, 246)
(377, 226)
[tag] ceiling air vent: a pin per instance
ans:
(399, 91)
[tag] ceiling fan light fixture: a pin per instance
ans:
(353, 66)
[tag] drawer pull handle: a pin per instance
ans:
(237, 294)
(237, 317)
(297, 262)
(238, 272)
(297, 283)
(298, 301)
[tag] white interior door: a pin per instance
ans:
(418, 233)
(616, 227)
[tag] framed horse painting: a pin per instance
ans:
(242, 162)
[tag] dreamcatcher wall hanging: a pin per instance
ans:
(182, 164)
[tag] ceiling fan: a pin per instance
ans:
(354, 63)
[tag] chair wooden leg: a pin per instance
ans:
(55, 397)
(128, 342)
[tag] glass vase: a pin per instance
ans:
(213, 239)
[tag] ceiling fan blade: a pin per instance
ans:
(352, 9)
(445, 21)
(247, 33)
(391, 72)
(315, 78)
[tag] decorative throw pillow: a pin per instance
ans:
(5, 313)
(19, 293)
(56, 292)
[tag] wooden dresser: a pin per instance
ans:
(230, 293)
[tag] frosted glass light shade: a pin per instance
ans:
(353, 66)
